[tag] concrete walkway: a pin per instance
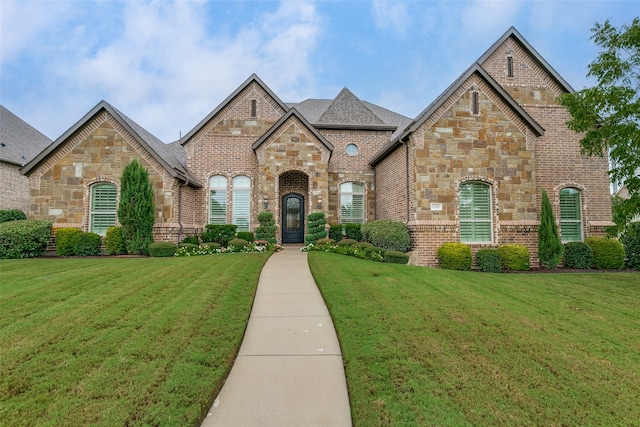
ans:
(289, 369)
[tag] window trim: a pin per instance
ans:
(474, 221)
(579, 221)
(226, 199)
(346, 149)
(93, 212)
(352, 193)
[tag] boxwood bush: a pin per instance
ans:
(246, 235)
(514, 257)
(347, 242)
(219, 233)
(315, 227)
(64, 240)
(238, 243)
(114, 243)
(387, 234)
(24, 238)
(395, 257)
(577, 255)
(631, 241)
(455, 256)
(86, 244)
(488, 260)
(335, 232)
(190, 247)
(194, 240)
(11, 215)
(162, 249)
(267, 229)
(353, 231)
(608, 254)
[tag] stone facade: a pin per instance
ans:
(498, 124)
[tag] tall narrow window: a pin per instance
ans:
(351, 203)
(509, 66)
(241, 202)
(103, 207)
(570, 215)
(254, 108)
(218, 200)
(475, 103)
(475, 213)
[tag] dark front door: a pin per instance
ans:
(293, 219)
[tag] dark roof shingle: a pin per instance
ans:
(19, 141)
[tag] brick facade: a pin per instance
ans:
(14, 191)
(498, 126)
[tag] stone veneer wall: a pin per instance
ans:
(14, 191)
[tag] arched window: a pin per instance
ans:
(475, 213)
(352, 203)
(241, 202)
(103, 207)
(570, 215)
(218, 200)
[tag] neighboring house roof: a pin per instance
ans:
(513, 33)
(211, 115)
(168, 156)
(292, 112)
(19, 141)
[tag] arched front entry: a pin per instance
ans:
(293, 218)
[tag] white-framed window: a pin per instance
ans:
(241, 202)
(476, 223)
(218, 199)
(352, 149)
(104, 208)
(351, 203)
(570, 215)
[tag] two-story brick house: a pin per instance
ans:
(469, 168)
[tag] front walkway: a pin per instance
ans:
(289, 369)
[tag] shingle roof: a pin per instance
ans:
(168, 156)
(19, 141)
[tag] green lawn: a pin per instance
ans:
(436, 347)
(120, 341)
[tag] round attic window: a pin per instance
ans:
(352, 149)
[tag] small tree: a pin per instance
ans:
(135, 210)
(549, 244)
(315, 227)
(267, 229)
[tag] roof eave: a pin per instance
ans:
(283, 119)
(338, 126)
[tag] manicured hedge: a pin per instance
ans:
(335, 232)
(347, 242)
(24, 238)
(86, 244)
(353, 231)
(114, 243)
(267, 229)
(455, 256)
(577, 255)
(608, 254)
(12, 215)
(65, 241)
(219, 233)
(194, 240)
(384, 233)
(488, 260)
(246, 235)
(162, 249)
(315, 227)
(514, 257)
(238, 243)
(395, 257)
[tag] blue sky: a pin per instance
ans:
(167, 64)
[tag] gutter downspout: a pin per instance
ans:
(406, 144)
(182, 184)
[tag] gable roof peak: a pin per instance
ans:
(348, 109)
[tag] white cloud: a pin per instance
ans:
(391, 15)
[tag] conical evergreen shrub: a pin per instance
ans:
(135, 209)
(549, 244)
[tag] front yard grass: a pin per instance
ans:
(120, 341)
(437, 347)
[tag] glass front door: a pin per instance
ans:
(293, 219)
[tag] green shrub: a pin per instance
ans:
(267, 229)
(246, 235)
(577, 255)
(374, 253)
(24, 238)
(114, 243)
(64, 240)
(219, 233)
(488, 260)
(335, 232)
(387, 234)
(189, 247)
(344, 250)
(325, 241)
(11, 215)
(347, 242)
(514, 257)
(316, 229)
(362, 245)
(631, 242)
(194, 240)
(135, 209)
(353, 231)
(549, 244)
(396, 257)
(455, 256)
(238, 243)
(86, 244)
(162, 249)
(212, 245)
(608, 254)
